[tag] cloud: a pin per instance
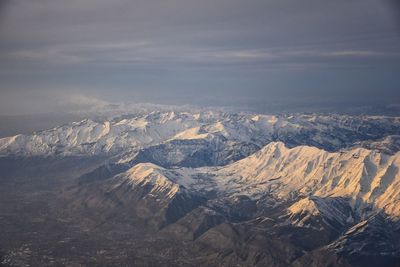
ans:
(47, 100)
(356, 53)
(78, 101)
(159, 54)
(47, 55)
(180, 51)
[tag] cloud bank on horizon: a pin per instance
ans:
(219, 52)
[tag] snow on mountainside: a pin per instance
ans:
(362, 177)
(160, 179)
(333, 211)
(386, 145)
(122, 134)
(143, 129)
(317, 199)
(89, 137)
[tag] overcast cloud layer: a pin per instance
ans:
(208, 52)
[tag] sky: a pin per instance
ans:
(58, 55)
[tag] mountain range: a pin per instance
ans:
(203, 188)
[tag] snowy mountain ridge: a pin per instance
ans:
(130, 132)
(363, 177)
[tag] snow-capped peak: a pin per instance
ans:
(127, 132)
(159, 179)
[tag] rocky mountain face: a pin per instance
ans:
(205, 189)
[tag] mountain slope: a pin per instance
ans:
(130, 132)
(364, 177)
